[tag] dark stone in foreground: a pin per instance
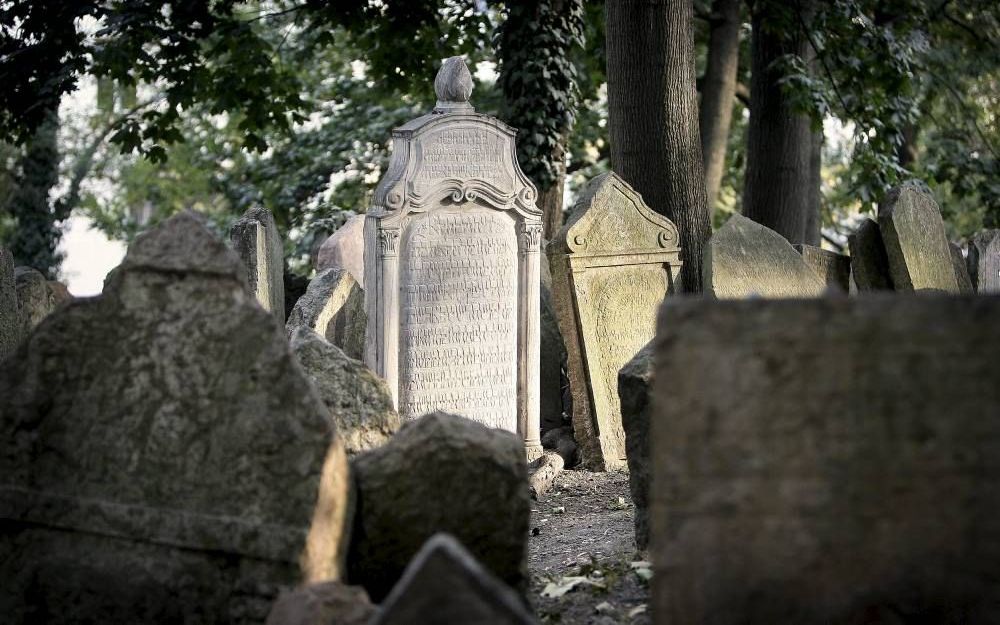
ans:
(633, 389)
(10, 319)
(444, 585)
(843, 465)
(440, 473)
(324, 603)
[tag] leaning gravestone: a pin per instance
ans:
(915, 240)
(333, 306)
(612, 264)
(984, 261)
(842, 465)
(35, 297)
(452, 268)
(961, 270)
(10, 319)
(633, 386)
(833, 268)
(869, 262)
(165, 460)
(256, 239)
(746, 259)
(345, 249)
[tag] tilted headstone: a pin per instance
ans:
(633, 386)
(842, 463)
(869, 262)
(915, 241)
(961, 270)
(445, 585)
(256, 239)
(345, 249)
(833, 268)
(333, 306)
(612, 264)
(452, 268)
(984, 261)
(35, 297)
(165, 460)
(10, 317)
(746, 259)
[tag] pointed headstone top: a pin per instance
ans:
(453, 86)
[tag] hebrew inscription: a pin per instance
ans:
(463, 153)
(458, 316)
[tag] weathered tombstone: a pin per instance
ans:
(357, 400)
(440, 473)
(612, 264)
(256, 239)
(984, 261)
(633, 387)
(445, 585)
(452, 268)
(165, 458)
(841, 465)
(552, 356)
(35, 298)
(961, 270)
(10, 319)
(869, 262)
(746, 259)
(915, 240)
(333, 306)
(345, 249)
(833, 268)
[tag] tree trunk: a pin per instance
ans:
(717, 92)
(779, 139)
(653, 117)
(550, 200)
(814, 215)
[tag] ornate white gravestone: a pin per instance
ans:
(451, 268)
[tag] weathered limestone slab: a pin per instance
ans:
(256, 239)
(358, 401)
(445, 585)
(164, 458)
(842, 465)
(633, 387)
(961, 270)
(452, 270)
(833, 268)
(10, 319)
(440, 473)
(915, 241)
(345, 249)
(333, 306)
(35, 297)
(746, 259)
(613, 263)
(552, 356)
(984, 261)
(869, 262)
(323, 603)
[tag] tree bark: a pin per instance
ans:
(717, 92)
(653, 117)
(779, 139)
(550, 200)
(814, 216)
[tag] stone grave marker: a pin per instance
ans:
(841, 465)
(256, 239)
(452, 268)
(984, 261)
(36, 297)
(915, 241)
(10, 318)
(869, 262)
(961, 270)
(633, 386)
(333, 306)
(613, 262)
(833, 268)
(345, 249)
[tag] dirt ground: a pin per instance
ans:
(581, 555)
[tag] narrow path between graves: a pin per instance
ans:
(581, 555)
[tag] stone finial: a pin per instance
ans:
(453, 86)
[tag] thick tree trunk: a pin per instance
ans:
(776, 187)
(550, 200)
(717, 92)
(653, 117)
(814, 219)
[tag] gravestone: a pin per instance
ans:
(333, 306)
(445, 585)
(869, 262)
(256, 239)
(746, 259)
(915, 240)
(35, 297)
(961, 270)
(10, 319)
(452, 268)
(345, 249)
(833, 268)
(613, 262)
(984, 261)
(842, 464)
(633, 386)
(165, 460)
